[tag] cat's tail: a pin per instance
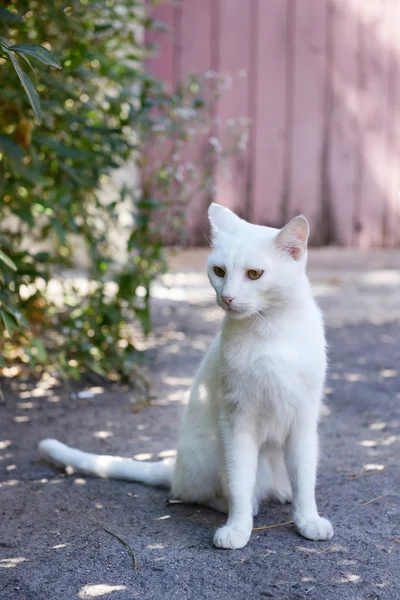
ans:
(109, 467)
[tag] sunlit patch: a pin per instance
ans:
(324, 410)
(80, 481)
(87, 394)
(368, 443)
(11, 563)
(103, 435)
(389, 440)
(199, 345)
(346, 562)
(163, 518)
(9, 483)
(11, 371)
(155, 546)
(377, 426)
(100, 589)
(174, 335)
(58, 546)
(11, 467)
(172, 349)
(167, 453)
(321, 289)
(307, 579)
(353, 377)
(178, 380)
(348, 578)
(373, 467)
(39, 392)
(5, 444)
(388, 339)
(328, 390)
(22, 419)
(180, 396)
(99, 505)
(26, 394)
(386, 373)
(54, 399)
(25, 405)
(143, 456)
(382, 277)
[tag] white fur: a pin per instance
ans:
(250, 428)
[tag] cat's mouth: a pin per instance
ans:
(236, 312)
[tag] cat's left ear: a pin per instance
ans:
(223, 220)
(293, 237)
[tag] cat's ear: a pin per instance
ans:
(293, 237)
(223, 220)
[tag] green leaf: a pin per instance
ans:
(7, 261)
(17, 316)
(9, 321)
(59, 229)
(37, 51)
(26, 59)
(10, 147)
(7, 15)
(28, 87)
(2, 362)
(41, 350)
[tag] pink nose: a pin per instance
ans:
(226, 300)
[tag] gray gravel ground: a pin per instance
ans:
(53, 545)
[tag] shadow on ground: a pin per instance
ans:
(53, 538)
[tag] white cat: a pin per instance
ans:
(250, 429)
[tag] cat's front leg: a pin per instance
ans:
(301, 459)
(241, 456)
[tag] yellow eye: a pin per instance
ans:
(219, 271)
(254, 274)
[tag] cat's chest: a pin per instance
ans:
(258, 366)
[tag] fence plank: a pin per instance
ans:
(391, 229)
(344, 126)
(234, 62)
(196, 58)
(161, 65)
(270, 50)
(374, 66)
(308, 111)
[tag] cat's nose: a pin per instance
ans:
(226, 300)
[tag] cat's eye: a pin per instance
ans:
(219, 271)
(254, 274)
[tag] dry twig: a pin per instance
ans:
(365, 474)
(272, 526)
(373, 500)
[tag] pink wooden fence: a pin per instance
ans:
(322, 90)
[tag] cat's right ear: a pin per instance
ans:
(223, 220)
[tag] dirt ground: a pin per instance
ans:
(58, 532)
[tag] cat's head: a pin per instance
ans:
(255, 269)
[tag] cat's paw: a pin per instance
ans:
(231, 537)
(317, 528)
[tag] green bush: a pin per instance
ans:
(100, 111)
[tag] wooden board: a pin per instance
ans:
(344, 129)
(269, 97)
(233, 63)
(309, 104)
